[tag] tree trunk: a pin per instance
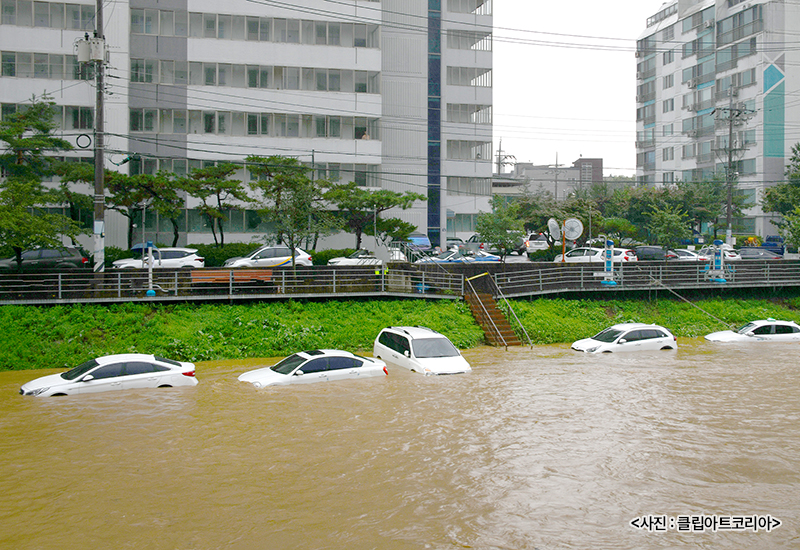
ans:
(175, 232)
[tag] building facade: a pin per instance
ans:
(557, 180)
(715, 81)
(392, 94)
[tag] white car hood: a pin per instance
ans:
(49, 381)
(585, 343)
(444, 365)
(264, 377)
(729, 336)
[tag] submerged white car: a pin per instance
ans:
(628, 337)
(114, 372)
(319, 365)
(763, 330)
(419, 349)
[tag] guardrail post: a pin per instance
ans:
(176, 283)
(581, 277)
(230, 283)
(119, 284)
(59, 286)
(422, 289)
(334, 281)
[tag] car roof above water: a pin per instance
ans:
(417, 332)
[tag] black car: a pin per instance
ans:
(654, 253)
(66, 258)
(754, 253)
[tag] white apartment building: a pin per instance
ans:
(702, 64)
(392, 94)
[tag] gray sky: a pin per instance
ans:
(565, 80)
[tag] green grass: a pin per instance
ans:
(64, 336)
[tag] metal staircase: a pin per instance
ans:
(496, 327)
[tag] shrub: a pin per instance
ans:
(215, 256)
(322, 257)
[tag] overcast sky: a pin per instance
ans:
(565, 80)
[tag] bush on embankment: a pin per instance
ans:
(64, 336)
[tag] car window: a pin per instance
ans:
(287, 365)
(266, 253)
(608, 335)
(109, 371)
(50, 253)
(280, 252)
(315, 365)
(434, 347)
(784, 329)
(80, 370)
(766, 329)
(337, 363)
(574, 253)
(633, 336)
(649, 334)
(140, 367)
(30, 254)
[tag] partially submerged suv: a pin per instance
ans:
(419, 349)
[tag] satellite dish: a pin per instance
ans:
(554, 228)
(573, 228)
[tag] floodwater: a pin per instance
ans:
(542, 448)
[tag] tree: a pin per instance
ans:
(784, 197)
(359, 207)
(502, 227)
(24, 222)
(290, 199)
(669, 226)
(213, 186)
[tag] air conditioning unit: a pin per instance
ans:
(694, 82)
(639, 75)
(709, 25)
(692, 133)
(691, 107)
(639, 54)
(745, 6)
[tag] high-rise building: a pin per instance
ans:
(715, 82)
(392, 94)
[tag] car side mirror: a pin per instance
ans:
(87, 378)
(407, 353)
(298, 373)
(622, 341)
(750, 333)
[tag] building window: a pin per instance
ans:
(669, 81)
(667, 130)
(668, 153)
(668, 105)
(668, 57)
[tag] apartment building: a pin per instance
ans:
(715, 87)
(392, 94)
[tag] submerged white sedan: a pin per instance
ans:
(114, 372)
(763, 330)
(319, 365)
(628, 337)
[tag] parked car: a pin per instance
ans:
(775, 244)
(655, 253)
(755, 253)
(271, 256)
(65, 258)
(763, 330)
(319, 365)
(114, 372)
(476, 243)
(454, 242)
(164, 258)
(686, 255)
(446, 257)
(727, 250)
(595, 255)
(419, 241)
(482, 256)
(628, 337)
(536, 241)
(364, 257)
(419, 349)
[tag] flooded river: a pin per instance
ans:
(542, 448)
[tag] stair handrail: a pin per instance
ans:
(511, 309)
(483, 307)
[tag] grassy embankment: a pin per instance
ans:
(62, 336)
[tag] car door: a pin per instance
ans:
(140, 374)
(785, 333)
(315, 370)
(341, 368)
(650, 340)
(106, 378)
(575, 255)
(632, 341)
(763, 332)
(400, 352)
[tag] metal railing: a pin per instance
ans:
(483, 308)
(131, 285)
(511, 309)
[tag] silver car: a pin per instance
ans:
(271, 256)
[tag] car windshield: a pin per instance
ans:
(289, 364)
(607, 336)
(747, 328)
(433, 347)
(79, 370)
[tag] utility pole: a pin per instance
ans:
(93, 50)
(556, 171)
(733, 116)
(502, 159)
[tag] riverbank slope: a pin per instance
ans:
(64, 336)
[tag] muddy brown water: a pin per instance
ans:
(542, 448)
